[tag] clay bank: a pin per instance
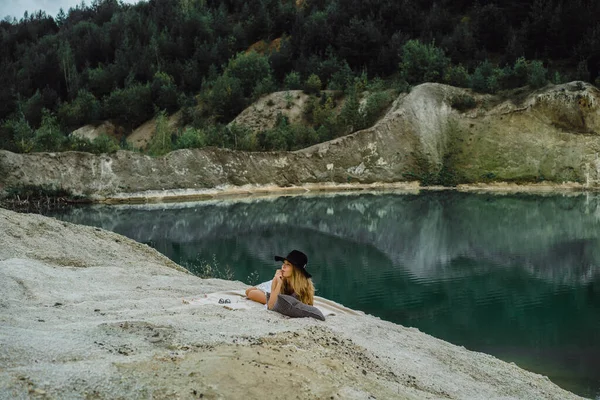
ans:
(86, 313)
(434, 135)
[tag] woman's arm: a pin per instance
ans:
(275, 289)
(257, 295)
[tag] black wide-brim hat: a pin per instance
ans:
(299, 260)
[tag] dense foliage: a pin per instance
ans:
(128, 63)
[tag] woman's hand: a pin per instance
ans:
(278, 276)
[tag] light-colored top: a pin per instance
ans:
(265, 286)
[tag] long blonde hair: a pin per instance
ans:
(301, 285)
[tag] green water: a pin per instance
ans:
(517, 277)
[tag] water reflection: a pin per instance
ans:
(515, 276)
(553, 238)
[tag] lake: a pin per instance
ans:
(515, 276)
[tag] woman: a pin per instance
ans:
(292, 279)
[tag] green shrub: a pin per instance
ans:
(478, 81)
(76, 143)
(492, 81)
(401, 85)
(309, 108)
(520, 72)
(233, 136)
(160, 144)
(276, 138)
(224, 98)
(422, 62)
(20, 133)
(323, 134)
(32, 109)
(375, 104)
(377, 85)
(350, 118)
(333, 71)
(104, 144)
(191, 138)
(486, 78)
(7, 141)
(81, 111)
(341, 78)
(557, 78)
(250, 69)
(359, 84)
(48, 137)
(286, 136)
(302, 136)
(313, 85)
(463, 102)
(457, 75)
(324, 115)
(239, 137)
(191, 114)
(131, 106)
(292, 81)
(265, 86)
(536, 75)
(125, 144)
(213, 135)
(101, 81)
(164, 92)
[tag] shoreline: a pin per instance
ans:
(259, 191)
(251, 192)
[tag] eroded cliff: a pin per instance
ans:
(549, 135)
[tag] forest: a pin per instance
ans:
(130, 63)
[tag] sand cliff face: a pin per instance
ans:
(86, 313)
(551, 135)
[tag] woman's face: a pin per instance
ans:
(287, 268)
